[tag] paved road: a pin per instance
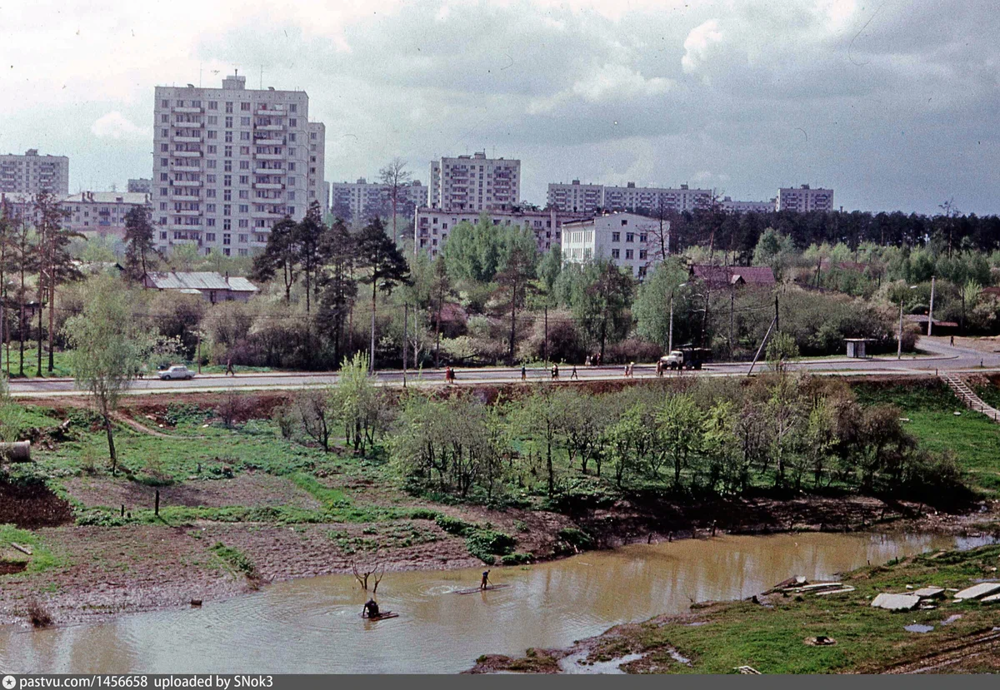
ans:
(942, 357)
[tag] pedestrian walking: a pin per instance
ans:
(524, 373)
(573, 374)
(229, 367)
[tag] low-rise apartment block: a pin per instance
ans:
(102, 213)
(627, 239)
(730, 206)
(590, 198)
(432, 226)
(804, 198)
(362, 200)
(32, 173)
(475, 183)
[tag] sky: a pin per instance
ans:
(893, 104)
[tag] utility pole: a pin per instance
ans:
(545, 343)
(899, 339)
(930, 311)
(406, 308)
(732, 309)
(776, 322)
(670, 331)
(198, 333)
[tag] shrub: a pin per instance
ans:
(485, 544)
(576, 538)
(424, 514)
(517, 558)
(453, 525)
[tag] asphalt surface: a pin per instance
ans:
(940, 357)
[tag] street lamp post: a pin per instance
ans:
(899, 338)
(930, 311)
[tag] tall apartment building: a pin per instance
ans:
(431, 226)
(575, 197)
(627, 239)
(475, 183)
(359, 201)
(32, 173)
(588, 198)
(228, 163)
(804, 198)
(140, 185)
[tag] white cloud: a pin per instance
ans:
(618, 80)
(698, 45)
(114, 125)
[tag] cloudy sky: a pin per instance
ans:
(894, 104)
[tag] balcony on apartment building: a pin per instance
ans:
(187, 196)
(187, 109)
(186, 212)
(186, 183)
(273, 109)
(188, 153)
(185, 228)
(268, 185)
(269, 156)
(195, 167)
(187, 138)
(269, 140)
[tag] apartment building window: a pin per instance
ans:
(242, 252)
(164, 162)
(244, 179)
(210, 165)
(226, 238)
(227, 195)
(163, 206)
(244, 122)
(227, 166)
(229, 121)
(210, 208)
(164, 191)
(244, 208)
(244, 165)
(210, 237)
(291, 151)
(165, 104)
(227, 210)
(163, 235)
(165, 119)
(229, 137)
(291, 196)
(616, 237)
(229, 106)
(244, 194)
(628, 254)
(291, 210)
(164, 177)
(293, 108)
(243, 239)
(244, 223)
(210, 222)
(642, 253)
(210, 179)
(629, 237)
(642, 237)
(293, 122)
(244, 150)
(227, 180)
(212, 133)
(227, 224)
(228, 152)
(244, 136)
(312, 135)
(291, 166)
(164, 148)
(291, 136)
(615, 253)
(213, 105)
(245, 105)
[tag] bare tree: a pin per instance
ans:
(394, 176)
(369, 566)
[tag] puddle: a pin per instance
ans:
(951, 619)
(918, 628)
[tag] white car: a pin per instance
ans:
(177, 372)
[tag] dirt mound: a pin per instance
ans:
(31, 504)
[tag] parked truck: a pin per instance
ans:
(686, 358)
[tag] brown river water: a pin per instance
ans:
(314, 625)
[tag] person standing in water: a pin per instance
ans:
(486, 579)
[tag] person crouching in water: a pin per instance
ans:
(486, 579)
(370, 610)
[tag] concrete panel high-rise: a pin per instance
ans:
(588, 198)
(32, 173)
(475, 183)
(804, 198)
(229, 162)
(358, 201)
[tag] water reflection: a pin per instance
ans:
(314, 625)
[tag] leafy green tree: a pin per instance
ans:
(599, 295)
(140, 251)
(775, 250)
(280, 256)
(378, 253)
(652, 303)
(514, 281)
(549, 268)
(109, 348)
(680, 427)
(473, 251)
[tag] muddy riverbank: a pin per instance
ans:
(98, 572)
